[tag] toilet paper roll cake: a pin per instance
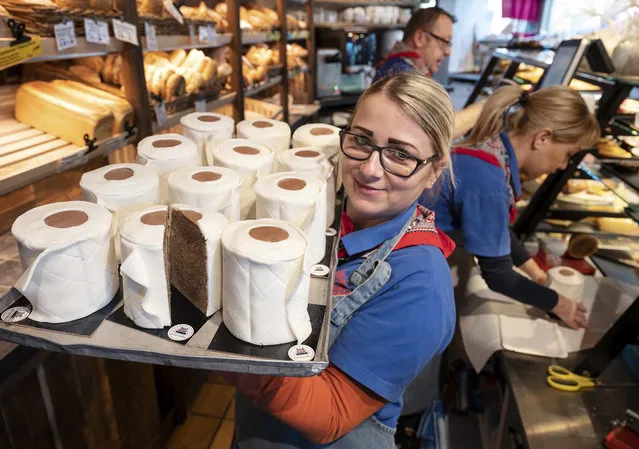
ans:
(212, 188)
(167, 153)
(145, 289)
(194, 254)
(207, 130)
(300, 199)
(266, 282)
(67, 252)
(318, 135)
(251, 161)
(312, 160)
(274, 133)
(121, 188)
(567, 281)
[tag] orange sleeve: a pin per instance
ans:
(323, 408)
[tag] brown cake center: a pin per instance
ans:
(156, 218)
(206, 176)
(291, 184)
(262, 124)
(208, 118)
(307, 153)
(321, 131)
(268, 234)
(66, 219)
(166, 143)
(192, 215)
(565, 272)
(246, 150)
(118, 174)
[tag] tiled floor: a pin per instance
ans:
(210, 421)
(10, 269)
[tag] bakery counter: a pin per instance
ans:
(41, 155)
(83, 49)
(176, 42)
(174, 119)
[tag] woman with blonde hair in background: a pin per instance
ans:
(533, 134)
(393, 306)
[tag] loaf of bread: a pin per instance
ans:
(610, 148)
(150, 7)
(95, 63)
(42, 106)
(101, 5)
(79, 4)
(626, 226)
(121, 109)
(85, 74)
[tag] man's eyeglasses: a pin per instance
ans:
(445, 43)
(393, 160)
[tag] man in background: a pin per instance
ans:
(428, 38)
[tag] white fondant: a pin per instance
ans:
(207, 135)
(276, 137)
(265, 285)
(304, 208)
(221, 195)
(70, 273)
(249, 167)
(144, 286)
(167, 160)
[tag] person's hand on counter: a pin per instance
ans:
(535, 273)
(571, 312)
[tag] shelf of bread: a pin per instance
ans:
(350, 3)
(178, 41)
(271, 82)
(298, 35)
(211, 105)
(82, 49)
(358, 26)
(250, 38)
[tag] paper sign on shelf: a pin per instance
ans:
(125, 32)
(207, 33)
(160, 113)
(97, 31)
(10, 56)
(192, 33)
(200, 105)
(212, 33)
(151, 37)
(65, 35)
(170, 7)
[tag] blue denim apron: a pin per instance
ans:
(256, 429)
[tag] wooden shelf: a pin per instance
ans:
(347, 4)
(31, 155)
(298, 35)
(360, 26)
(260, 37)
(174, 119)
(177, 41)
(251, 92)
(296, 72)
(82, 49)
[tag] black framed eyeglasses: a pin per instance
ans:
(393, 160)
(445, 43)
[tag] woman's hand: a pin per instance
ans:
(571, 312)
(535, 273)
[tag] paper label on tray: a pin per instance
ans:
(160, 113)
(181, 332)
(125, 32)
(65, 35)
(200, 105)
(73, 161)
(10, 56)
(175, 13)
(301, 353)
(114, 144)
(15, 314)
(97, 31)
(151, 37)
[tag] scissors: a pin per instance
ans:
(562, 379)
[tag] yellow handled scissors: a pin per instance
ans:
(565, 380)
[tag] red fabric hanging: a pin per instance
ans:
(521, 9)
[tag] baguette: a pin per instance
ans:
(42, 106)
(121, 109)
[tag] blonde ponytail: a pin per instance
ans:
(557, 108)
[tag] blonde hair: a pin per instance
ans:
(427, 103)
(558, 108)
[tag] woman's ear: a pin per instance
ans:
(438, 168)
(542, 138)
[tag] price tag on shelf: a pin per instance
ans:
(203, 33)
(151, 38)
(12, 55)
(114, 144)
(212, 33)
(200, 105)
(97, 31)
(192, 33)
(160, 113)
(73, 161)
(170, 7)
(125, 32)
(65, 35)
